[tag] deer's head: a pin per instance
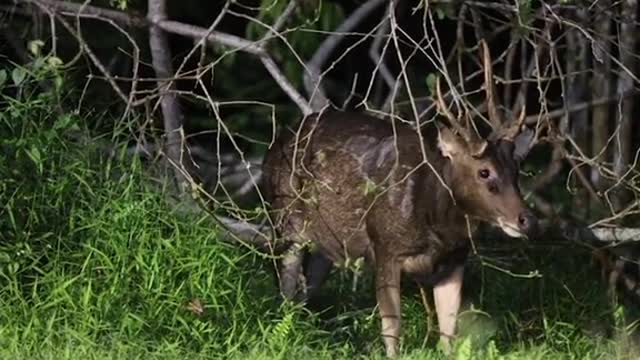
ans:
(484, 171)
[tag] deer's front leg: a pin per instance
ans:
(447, 295)
(388, 296)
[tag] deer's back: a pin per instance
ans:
(346, 181)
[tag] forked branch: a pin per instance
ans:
(313, 76)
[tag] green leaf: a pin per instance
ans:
(464, 350)
(35, 46)
(58, 81)
(431, 83)
(120, 4)
(35, 156)
(3, 77)
(370, 187)
(492, 352)
(38, 63)
(18, 75)
(526, 11)
(65, 121)
(54, 62)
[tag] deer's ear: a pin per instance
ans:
(449, 143)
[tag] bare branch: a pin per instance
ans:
(172, 114)
(174, 27)
(282, 19)
(533, 119)
(72, 9)
(286, 86)
(96, 61)
(312, 78)
(214, 37)
(377, 55)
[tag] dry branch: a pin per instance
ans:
(533, 119)
(171, 112)
(312, 78)
(174, 27)
(376, 54)
(74, 9)
(245, 232)
(76, 33)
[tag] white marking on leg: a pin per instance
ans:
(447, 298)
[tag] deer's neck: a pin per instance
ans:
(440, 189)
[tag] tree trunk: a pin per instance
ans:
(600, 88)
(577, 62)
(622, 147)
(172, 114)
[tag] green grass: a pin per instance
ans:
(95, 264)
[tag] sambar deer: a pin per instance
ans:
(350, 185)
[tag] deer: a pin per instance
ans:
(348, 186)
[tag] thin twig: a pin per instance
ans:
(312, 78)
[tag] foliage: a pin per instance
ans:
(120, 4)
(93, 260)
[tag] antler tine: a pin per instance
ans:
(523, 116)
(442, 107)
(510, 131)
(495, 117)
(502, 129)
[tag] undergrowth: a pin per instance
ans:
(94, 263)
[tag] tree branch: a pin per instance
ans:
(74, 9)
(214, 37)
(376, 54)
(312, 78)
(174, 27)
(533, 119)
(171, 112)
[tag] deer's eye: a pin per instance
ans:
(484, 173)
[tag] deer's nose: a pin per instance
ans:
(526, 222)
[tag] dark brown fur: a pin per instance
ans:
(350, 185)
